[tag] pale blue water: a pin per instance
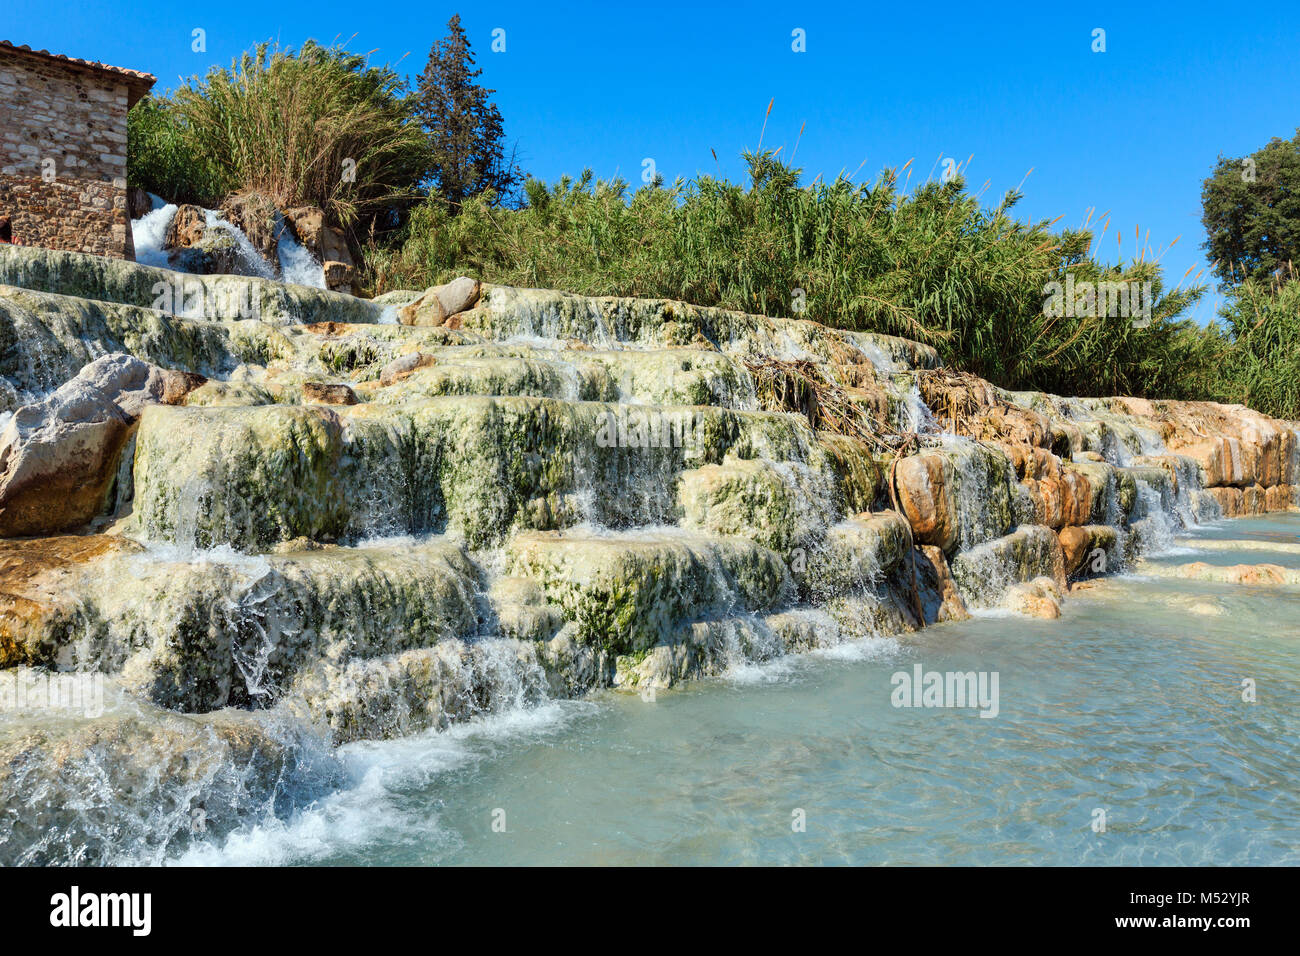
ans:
(1130, 703)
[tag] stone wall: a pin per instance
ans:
(63, 156)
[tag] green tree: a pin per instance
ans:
(309, 126)
(465, 130)
(1251, 212)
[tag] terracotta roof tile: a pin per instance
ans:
(137, 77)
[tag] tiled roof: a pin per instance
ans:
(139, 83)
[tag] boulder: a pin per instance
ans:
(924, 484)
(401, 367)
(134, 385)
(195, 247)
(1074, 547)
(1037, 598)
(1079, 546)
(328, 393)
(58, 457)
(57, 460)
(187, 228)
(338, 275)
(327, 243)
(440, 303)
(257, 217)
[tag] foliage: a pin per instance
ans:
(464, 128)
(1251, 212)
(1263, 322)
(932, 265)
(312, 126)
(161, 159)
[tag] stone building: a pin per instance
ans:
(63, 150)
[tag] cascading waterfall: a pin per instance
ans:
(295, 264)
(149, 232)
(472, 544)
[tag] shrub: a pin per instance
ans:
(1263, 322)
(932, 265)
(316, 126)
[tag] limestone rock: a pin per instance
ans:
(777, 506)
(1229, 501)
(401, 368)
(857, 555)
(187, 228)
(328, 393)
(58, 457)
(625, 592)
(257, 217)
(458, 295)
(1258, 575)
(925, 493)
(1037, 598)
(1280, 498)
(99, 282)
(440, 303)
(338, 275)
(1080, 547)
(327, 243)
(985, 573)
(138, 203)
(940, 599)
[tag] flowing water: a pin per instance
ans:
(296, 263)
(1131, 704)
(527, 521)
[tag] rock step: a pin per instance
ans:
(198, 632)
(212, 297)
(644, 377)
(227, 765)
(1256, 575)
(504, 313)
(45, 340)
(985, 573)
(624, 593)
(250, 477)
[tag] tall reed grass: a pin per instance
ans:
(316, 125)
(932, 265)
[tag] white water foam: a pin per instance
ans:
(371, 807)
(297, 265)
(148, 233)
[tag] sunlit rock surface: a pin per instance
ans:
(371, 528)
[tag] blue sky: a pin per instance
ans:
(1133, 130)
